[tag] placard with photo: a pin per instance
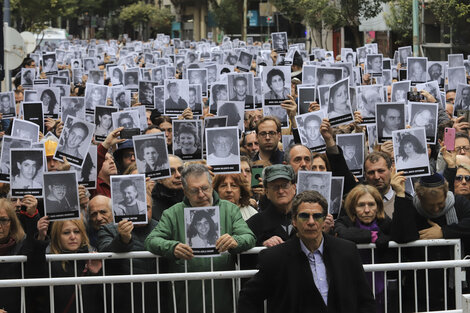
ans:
(176, 94)
(433, 88)
(88, 173)
(367, 97)
(318, 181)
(309, 130)
(96, 77)
(371, 136)
(195, 99)
(49, 64)
(308, 75)
(277, 84)
(416, 69)
(244, 61)
(353, 151)
(215, 121)
(61, 195)
(27, 170)
(73, 106)
(121, 98)
(410, 151)
(127, 119)
(339, 103)
(455, 60)
(142, 116)
(187, 139)
(103, 121)
(425, 115)
(389, 117)
(328, 75)
(10, 142)
(219, 92)
(27, 77)
(436, 72)
(116, 73)
(74, 141)
(202, 229)
(25, 130)
(456, 76)
(129, 202)
(306, 95)
(7, 104)
(198, 76)
(89, 64)
(400, 91)
(223, 150)
(404, 53)
(95, 95)
(30, 96)
(131, 79)
(146, 96)
(152, 155)
(279, 41)
(322, 95)
(462, 99)
(241, 88)
(32, 111)
(374, 64)
(336, 198)
(277, 111)
(234, 110)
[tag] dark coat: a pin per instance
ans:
(164, 198)
(285, 280)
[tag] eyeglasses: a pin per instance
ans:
(318, 217)
(462, 177)
(4, 221)
(271, 134)
(173, 170)
(195, 191)
(283, 186)
(128, 155)
(465, 148)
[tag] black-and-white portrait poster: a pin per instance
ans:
(61, 195)
(347, 72)
(176, 94)
(371, 136)
(187, 139)
(277, 111)
(122, 98)
(462, 99)
(96, 77)
(7, 104)
(309, 130)
(95, 95)
(279, 41)
(27, 77)
(410, 151)
(152, 155)
(74, 141)
(234, 110)
(73, 106)
(146, 96)
(241, 88)
(223, 150)
(27, 168)
(103, 122)
(127, 119)
(32, 112)
(117, 75)
(212, 74)
(49, 64)
(142, 116)
(318, 181)
(455, 76)
(389, 117)
(77, 75)
(328, 75)
(131, 79)
(215, 121)
(455, 60)
(158, 101)
(433, 88)
(10, 142)
(424, 115)
(195, 99)
(30, 96)
(202, 229)
(88, 173)
(89, 64)
(25, 130)
(219, 92)
(367, 97)
(416, 70)
(259, 97)
(322, 95)
(336, 198)
(339, 104)
(353, 151)
(306, 95)
(386, 78)
(308, 75)
(277, 84)
(404, 53)
(129, 202)
(436, 72)
(244, 61)
(374, 64)
(400, 91)
(198, 76)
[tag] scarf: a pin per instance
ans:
(371, 227)
(6, 247)
(448, 211)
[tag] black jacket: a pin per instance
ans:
(164, 198)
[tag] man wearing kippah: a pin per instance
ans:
(433, 213)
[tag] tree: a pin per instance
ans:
(400, 21)
(227, 15)
(320, 16)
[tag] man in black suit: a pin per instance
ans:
(240, 88)
(312, 272)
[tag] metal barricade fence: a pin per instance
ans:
(454, 262)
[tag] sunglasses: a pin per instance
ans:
(316, 216)
(461, 177)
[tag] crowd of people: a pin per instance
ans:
(151, 175)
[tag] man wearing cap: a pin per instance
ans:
(272, 225)
(433, 213)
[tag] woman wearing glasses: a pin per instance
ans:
(366, 222)
(458, 176)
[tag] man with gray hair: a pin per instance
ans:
(168, 239)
